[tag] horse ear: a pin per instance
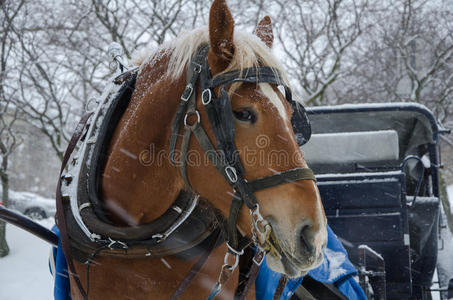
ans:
(221, 28)
(264, 31)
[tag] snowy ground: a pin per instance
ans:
(24, 273)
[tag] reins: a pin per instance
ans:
(60, 217)
(224, 157)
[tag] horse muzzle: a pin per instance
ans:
(295, 257)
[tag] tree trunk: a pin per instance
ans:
(4, 249)
(445, 202)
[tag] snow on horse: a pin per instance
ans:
(186, 169)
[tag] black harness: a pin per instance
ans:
(173, 233)
(225, 155)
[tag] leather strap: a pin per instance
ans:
(183, 158)
(78, 131)
(196, 267)
(192, 74)
(280, 287)
(251, 276)
(235, 207)
(59, 203)
(282, 178)
(208, 148)
(252, 75)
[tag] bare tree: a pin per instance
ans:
(426, 51)
(406, 55)
(63, 59)
(335, 51)
(314, 36)
(9, 139)
(40, 96)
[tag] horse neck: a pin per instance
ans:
(139, 183)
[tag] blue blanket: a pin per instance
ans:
(59, 270)
(336, 268)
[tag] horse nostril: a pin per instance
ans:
(306, 238)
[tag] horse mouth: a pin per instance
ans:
(283, 261)
(291, 265)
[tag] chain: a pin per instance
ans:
(261, 229)
(262, 233)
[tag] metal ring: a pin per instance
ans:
(209, 93)
(234, 251)
(197, 67)
(231, 174)
(191, 113)
(236, 261)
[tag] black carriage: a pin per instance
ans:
(377, 168)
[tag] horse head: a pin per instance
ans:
(264, 141)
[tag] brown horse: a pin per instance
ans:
(138, 193)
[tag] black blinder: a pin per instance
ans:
(301, 123)
(299, 120)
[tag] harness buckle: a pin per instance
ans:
(197, 67)
(208, 94)
(258, 258)
(231, 174)
(187, 92)
(191, 113)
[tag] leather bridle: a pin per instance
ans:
(224, 157)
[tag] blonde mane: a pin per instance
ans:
(250, 52)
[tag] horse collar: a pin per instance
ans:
(186, 224)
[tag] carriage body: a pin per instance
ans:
(371, 160)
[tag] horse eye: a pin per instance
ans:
(245, 115)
